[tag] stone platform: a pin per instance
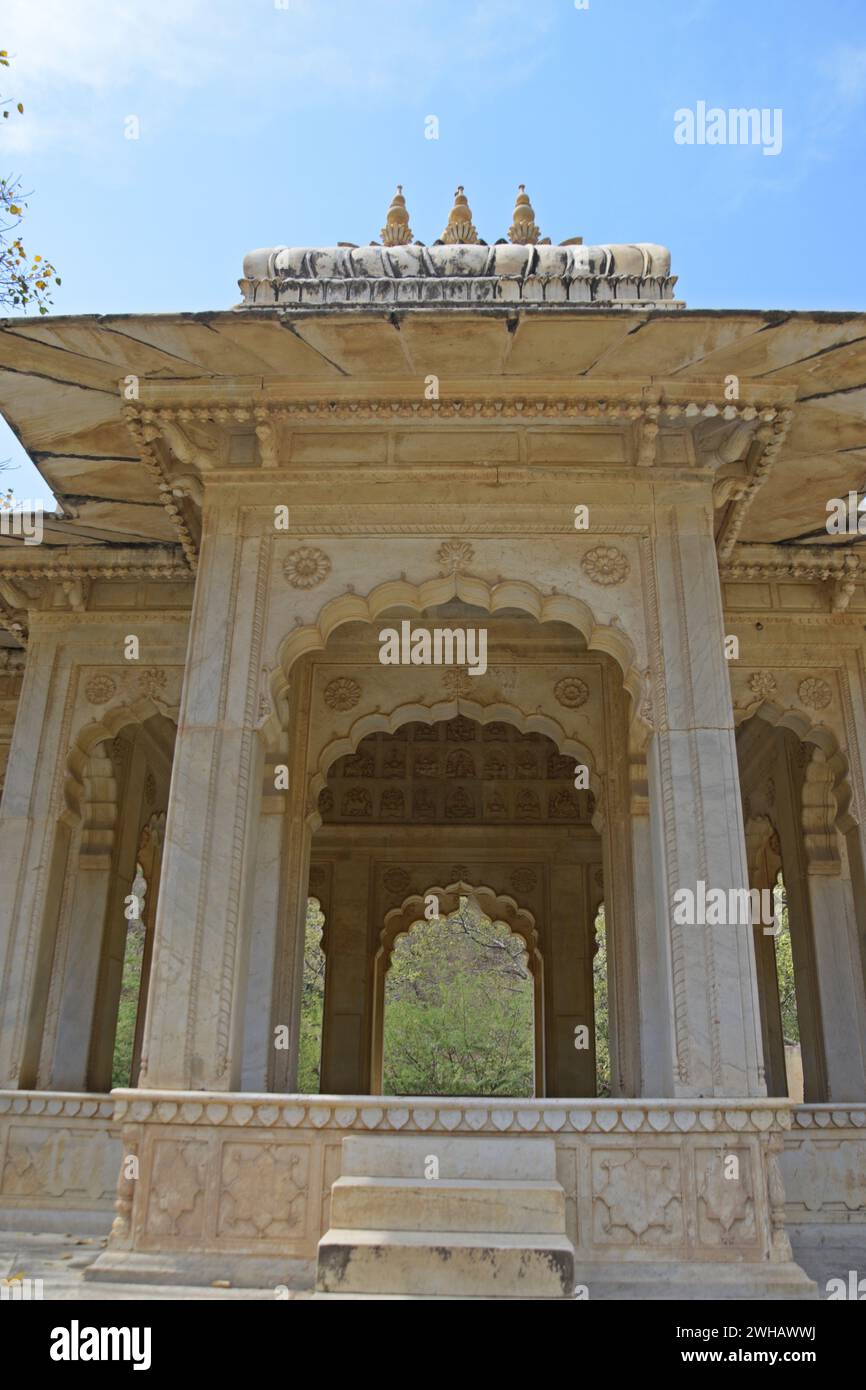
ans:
(240, 1186)
(243, 1187)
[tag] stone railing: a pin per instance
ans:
(59, 1160)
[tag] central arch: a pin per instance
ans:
(287, 734)
(416, 801)
(498, 907)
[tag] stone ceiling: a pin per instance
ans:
(62, 381)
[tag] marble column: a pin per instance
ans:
(653, 1006)
(713, 1038)
(259, 1027)
(194, 1024)
(34, 848)
(346, 1045)
(568, 984)
(842, 1010)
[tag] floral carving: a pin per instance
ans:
(571, 692)
(459, 805)
(396, 880)
(457, 682)
(453, 555)
(815, 693)
(638, 1197)
(524, 880)
(306, 567)
(763, 684)
(605, 564)
(726, 1211)
(391, 805)
(153, 682)
(265, 1187)
(342, 693)
(100, 688)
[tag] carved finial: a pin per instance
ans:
(460, 226)
(396, 231)
(523, 231)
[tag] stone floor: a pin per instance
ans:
(58, 1260)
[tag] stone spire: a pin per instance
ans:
(396, 231)
(523, 231)
(460, 226)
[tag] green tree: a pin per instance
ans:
(785, 967)
(25, 280)
(312, 1002)
(599, 985)
(459, 1010)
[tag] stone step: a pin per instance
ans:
(449, 1204)
(458, 1264)
(408, 1156)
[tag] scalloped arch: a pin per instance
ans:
(499, 907)
(614, 641)
(375, 721)
(822, 738)
(93, 733)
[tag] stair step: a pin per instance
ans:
(449, 1204)
(456, 1263)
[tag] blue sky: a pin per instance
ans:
(289, 122)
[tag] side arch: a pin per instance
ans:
(820, 737)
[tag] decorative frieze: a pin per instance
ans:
(386, 1114)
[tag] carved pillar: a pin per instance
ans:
(568, 983)
(346, 1047)
(194, 1023)
(33, 856)
(259, 1035)
(652, 949)
(714, 1034)
(842, 1012)
(288, 966)
(840, 985)
(788, 772)
(764, 865)
(103, 875)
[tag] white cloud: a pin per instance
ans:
(102, 44)
(847, 69)
(74, 60)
